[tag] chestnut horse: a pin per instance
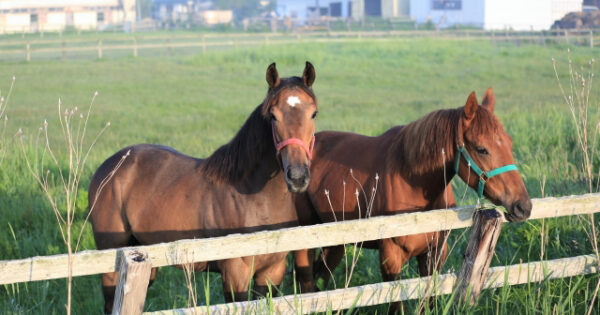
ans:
(414, 163)
(160, 195)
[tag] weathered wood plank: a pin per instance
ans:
(402, 290)
(165, 254)
(481, 243)
(134, 276)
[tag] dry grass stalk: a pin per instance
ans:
(356, 247)
(586, 128)
(4, 119)
(61, 187)
(190, 282)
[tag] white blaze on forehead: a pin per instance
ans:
(293, 100)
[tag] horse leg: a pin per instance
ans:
(392, 257)
(235, 274)
(110, 232)
(303, 261)
(271, 276)
(325, 265)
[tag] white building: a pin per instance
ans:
(493, 14)
(55, 15)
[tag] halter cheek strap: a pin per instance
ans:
(296, 141)
(483, 175)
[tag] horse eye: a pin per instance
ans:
(273, 118)
(481, 150)
(314, 114)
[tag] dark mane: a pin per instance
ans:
(235, 160)
(417, 148)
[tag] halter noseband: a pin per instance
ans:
(483, 175)
(296, 141)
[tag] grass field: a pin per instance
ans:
(196, 103)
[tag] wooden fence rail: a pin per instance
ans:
(402, 290)
(189, 251)
(168, 43)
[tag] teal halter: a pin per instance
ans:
(483, 176)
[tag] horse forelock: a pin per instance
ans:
(286, 83)
(485, 122)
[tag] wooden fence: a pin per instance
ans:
(132, 45)
(237, 245)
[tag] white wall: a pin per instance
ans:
(472, 13)
(85, 20)
(54, 21)
(518, 14)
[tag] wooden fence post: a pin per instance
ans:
(28, 52)
(135, 48)
(63, 51)
(486, 228)
(99, 49)
(134, 276)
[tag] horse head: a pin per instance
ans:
(484, 158)
(291, 108)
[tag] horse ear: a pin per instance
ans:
(308, 77)
(489, 100)
(272, 76)
(470, 108)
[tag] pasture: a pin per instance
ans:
(196, 102)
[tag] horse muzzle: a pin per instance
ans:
(519, 211)
(297, 178)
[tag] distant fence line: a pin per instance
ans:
(131, 45)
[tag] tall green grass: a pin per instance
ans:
(196, 103)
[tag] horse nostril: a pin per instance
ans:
(295, 173)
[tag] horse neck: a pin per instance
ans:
(423, 152)
(249, 156)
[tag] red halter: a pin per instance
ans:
(296, 141)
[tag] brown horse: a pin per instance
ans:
(415, 164)
(160, 195)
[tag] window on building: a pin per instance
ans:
(372, 7)
(33, 18)
(335, 9)
(446, 4)
(100, 16)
